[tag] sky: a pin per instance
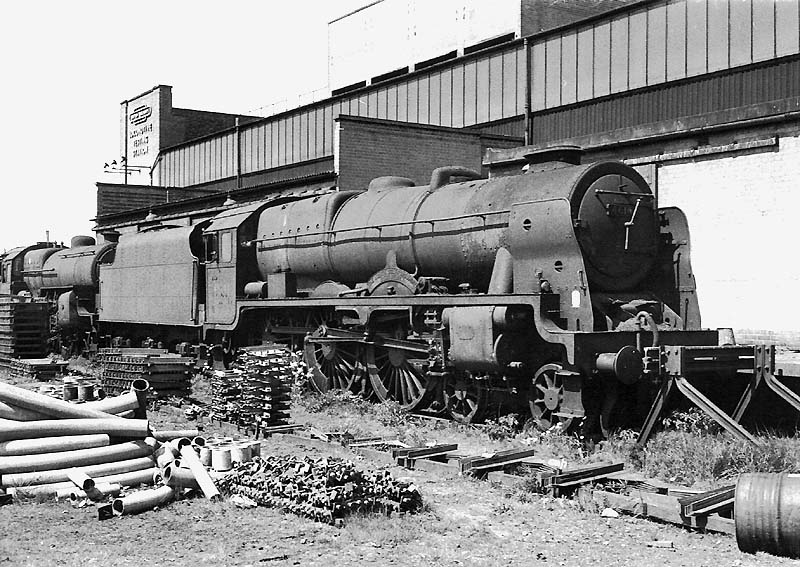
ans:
(67, 65)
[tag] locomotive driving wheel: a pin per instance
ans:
(397, 377)
(464, 398)
(545, 396)
(334, 365)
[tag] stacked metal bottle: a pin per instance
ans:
(256, 392)
(326, 490)
(168, 374)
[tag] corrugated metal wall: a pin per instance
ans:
(486, 88)
(662, 42)
(704, 95)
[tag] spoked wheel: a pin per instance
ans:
(465, 400)
(394, 376)
(335, 365)
(545, 396)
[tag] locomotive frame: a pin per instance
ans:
(565, 290)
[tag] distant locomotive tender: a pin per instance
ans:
(565, 290)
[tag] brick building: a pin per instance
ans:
(703, 96)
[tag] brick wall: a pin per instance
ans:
(742, 216)
(114, 198)
(370, 148)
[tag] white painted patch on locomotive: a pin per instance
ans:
(576, 298)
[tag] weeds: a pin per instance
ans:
(690, 450)
(688, 458)
(503, 428)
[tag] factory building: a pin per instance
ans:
(702, 96)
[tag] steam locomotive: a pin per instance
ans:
(565, 290)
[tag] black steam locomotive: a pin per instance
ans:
(565, 290)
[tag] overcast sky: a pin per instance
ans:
(67, 65)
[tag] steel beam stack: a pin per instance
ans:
(168, 374)
(38, 369)
(256, 392)
(24, 327)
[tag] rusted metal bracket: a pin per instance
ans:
(710, 502)
(713, 411)
(654, 414)
(764, 371)
(567, 481)
(681, 362)
(405, 457)
(476, 465)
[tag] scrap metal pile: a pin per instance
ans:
(24, 327)
(168, 374)
(256, 392)
(88, 452)
(326, 490)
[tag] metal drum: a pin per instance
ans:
(767, 509)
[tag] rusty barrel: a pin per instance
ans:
(767, 513)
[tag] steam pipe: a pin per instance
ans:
(441, 175)
(200, 473)
(77, 458)
(113, 426)
(51, 444)
(47, 405)
(502, 279)
(143, 500)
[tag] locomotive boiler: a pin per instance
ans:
(462, 295)
(564, 292)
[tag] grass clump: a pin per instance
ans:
(690, 458)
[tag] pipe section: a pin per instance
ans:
(143, 500)
(97, 493)
(130, 478)
(51, 444)
(179, 443)
(45, 404)
(179, 478)
(15, 413)
(170, 434)
(113, 426)
(140, 387)
(77, 458)
(200, 473)
(165, 455)
(60, 475)
(116, 404)
(80, 479)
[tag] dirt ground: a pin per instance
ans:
(465, 522)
